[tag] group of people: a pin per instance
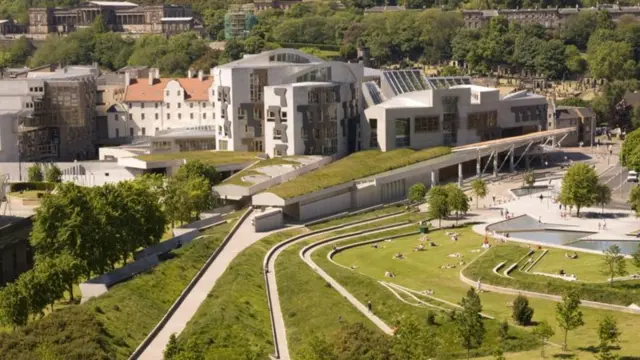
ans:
(602, 226)
(505, 213)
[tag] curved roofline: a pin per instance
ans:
(293, 77)
(264, 56)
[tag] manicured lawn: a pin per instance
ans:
(421, 271)
(587, 267)
(28, 194)
(208, 157)
(236, 179)
(355, 166)
(113, 325)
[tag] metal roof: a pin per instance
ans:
(403, 81)
(374, 92)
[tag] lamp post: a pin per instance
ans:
(20, 160)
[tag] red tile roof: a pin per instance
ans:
(194, 88)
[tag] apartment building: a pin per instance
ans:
(583, 119)
(119, 16)
(407, 109)
(49, 115)
(287, 102)
(153, 104)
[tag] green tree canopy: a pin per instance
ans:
(417, 192)
(578, 186)
(613, 263)
(470, 328)
(568, 314)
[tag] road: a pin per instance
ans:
(616, 179)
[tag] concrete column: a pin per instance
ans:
(512, 167)
(478, 165)
(434, 178)
(495, 164)
(460, 174)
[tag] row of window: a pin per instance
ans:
(157, 105)
(143, 131)
(482, 120)
(157, 116)
(426, 124)
(179, 92)
(36, 89)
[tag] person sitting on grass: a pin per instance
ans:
(389, 274)
(375, 245)
(419, 248)
(399, 256)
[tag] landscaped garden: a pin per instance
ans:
(207, 157)
(236, 179)
(355, 166)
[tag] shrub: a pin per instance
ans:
(27, 186)
(34, 174)
(431, 318)
(522, 313)
(53, 174)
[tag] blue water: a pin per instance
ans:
(555, 237)
(520, 192)
(626, 247)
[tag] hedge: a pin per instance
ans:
(27, 186)
(295, 45)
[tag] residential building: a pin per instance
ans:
(582, 119)
(409, 109)
(16, 255)
(153, 104)
(239, 21)
(49, 115)
(550, 18)
(119, 16)
(383, 9)
(262, 5)
(287, 102)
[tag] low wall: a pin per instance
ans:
(15, 200)
(209, 219)
(269, 220)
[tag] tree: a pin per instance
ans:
(458, 200)
(438, 204)
(522, 312)
(417, 193)
(173, 349)
(608, 333)
(470, 328)
(628, 153)
(198, 168)
(611, 60)
(187, 197)
(479, 188)
(5, 61)
(568, 314)
(14, 305)
(529, 178)
(503, 331)
(413, 340)
(575, 63)
(602, 195)
(613, 263)
(317, 348)
(53, 174)
(356, 341)
(34, 173)
(578, 186)
(543, 332)
(635, 258)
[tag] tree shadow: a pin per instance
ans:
(629, 358)
(564, 356)
(592, 349)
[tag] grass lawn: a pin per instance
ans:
(113, 325)
(421, 271)
(207, 157)
(236, 179)
(353, 167)
(366, 215)
(587, 267)
(28, 194)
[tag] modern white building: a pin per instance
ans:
(287, 102)
(407, 109)
(155, 104)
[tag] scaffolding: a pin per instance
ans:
(239, 21)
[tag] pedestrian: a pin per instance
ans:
(604, 225)
(340, 318)
(539, 219)
(599, 226)
(541, 197)
(493, 197)
(369, 305)
(501, 213)
(560, 207)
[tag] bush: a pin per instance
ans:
(53, 174)
(34, 174)
(522, 313)
(431, 318)
(32, 185)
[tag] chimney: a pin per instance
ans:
(127, 79)
(200, 75)
(190, 73)
(150, 78)
(157, 73)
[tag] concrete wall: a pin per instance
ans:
(270, 219)
(331, 205)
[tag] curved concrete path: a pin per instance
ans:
(244, 237)
(273, 298)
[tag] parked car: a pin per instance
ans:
(633, 176)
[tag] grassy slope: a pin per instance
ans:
(366, 215)
(236, 179)
(207, 157)
(354, 166)
(447, 286)
(587, 267)
(390, 309)
(118, 320)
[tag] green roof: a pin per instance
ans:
(207, 157)
(355, 166)
(236, 179)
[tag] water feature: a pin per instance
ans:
(524, 191)
(555, 237)
(626, 246)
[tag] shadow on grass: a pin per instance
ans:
(564, 356)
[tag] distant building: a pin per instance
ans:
(16, 255)
(49, 115)
(119, 16)
(239, 21)
(583, 119)
(262, 5)
(383, 9)
(10, 27)
(407, 109)
(550, 18)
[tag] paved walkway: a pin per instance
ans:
(243, 238)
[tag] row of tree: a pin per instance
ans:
(80, 232)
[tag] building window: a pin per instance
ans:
(144, 131)
(427, 124)
(179, 105)
(168, 116)
(191, 105)
(179, 93)
(403, 136)
(130, 131)
(204, 115)
(156, 105)
(117, 132)
(179, 116)
(222, 144)
(191, 116)
(142, 116)
(142, 105)
(167, 93)
(168, 106)
(157, 129)
(283, 115)
(131, 117)
(277, 134)
(156, 116)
